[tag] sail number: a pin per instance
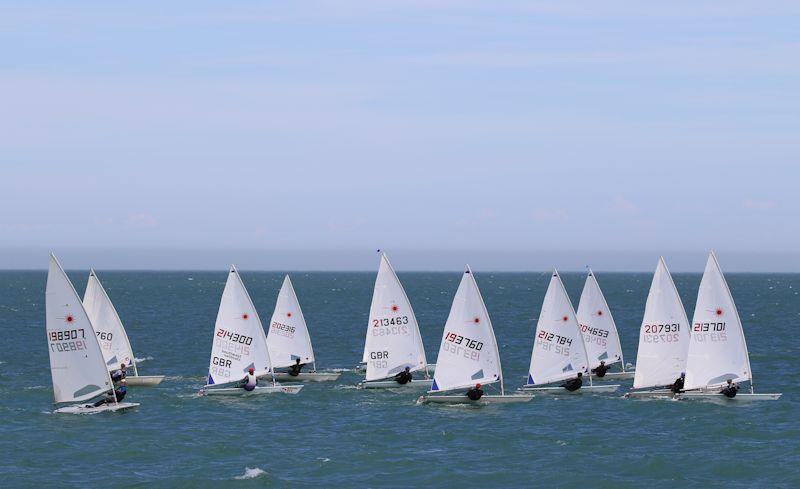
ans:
(459, 345)
(662, 328)
(661, 333)
(603, 333)
(282, 329)
(594, 335)
(67, 340)
(709, 332)
(394, 326)
(548, 341)
(103, 336)
(390, 321)
(235, 337)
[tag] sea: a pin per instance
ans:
(335, 435)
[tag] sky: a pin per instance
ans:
(309, 134)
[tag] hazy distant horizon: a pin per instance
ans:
(342, 260)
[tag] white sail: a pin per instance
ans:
(76, 362)
(393, 339)
(717, 349)
(664, 334)
(107, 325)
(468, 354)
(597, 326)
(558, 350)
(239, 339)
(288, 339)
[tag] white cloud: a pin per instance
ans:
(759, 204)
(548, 215)
(622, 205)
(141, 220)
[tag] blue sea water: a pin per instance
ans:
(335, 435)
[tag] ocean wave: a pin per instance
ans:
(250, 473)
(140, 360)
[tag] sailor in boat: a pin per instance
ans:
(677, 386)
(119, 392)
(404, 377)
(601, 369)
(119, 374)
(573, 384)
(294, 370)
(730, 389)
(250, 381)
(475, 393)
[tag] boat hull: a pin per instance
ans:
(586, 389)
(391, 384)
(259, 390)
(362, 367)
(740, 397)
(308, 376)
(650, 394)
(144, 380)
(463, 399)
(89, 409)
(611, 376)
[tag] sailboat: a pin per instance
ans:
(288, 339)
(717, 348)
(468, 354)
(599, 331)
(393, 339)
(240, 344)
(76, 362)
(663, 338)
(559, 352)
(111, 333)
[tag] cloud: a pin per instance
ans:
(622, 205)
(141, 220)
(759, 204)
(549, 215)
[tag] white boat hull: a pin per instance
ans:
(609, 376)
(463, 399)
(585, 389)
(259, 390)
(391, 384)
(144, 380)
(308, 376)
(649, 394)
(362, 367)
(715, 396)
(90, 409)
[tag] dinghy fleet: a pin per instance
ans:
(572, 353)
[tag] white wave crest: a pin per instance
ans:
(140, 360)
(250, 473)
